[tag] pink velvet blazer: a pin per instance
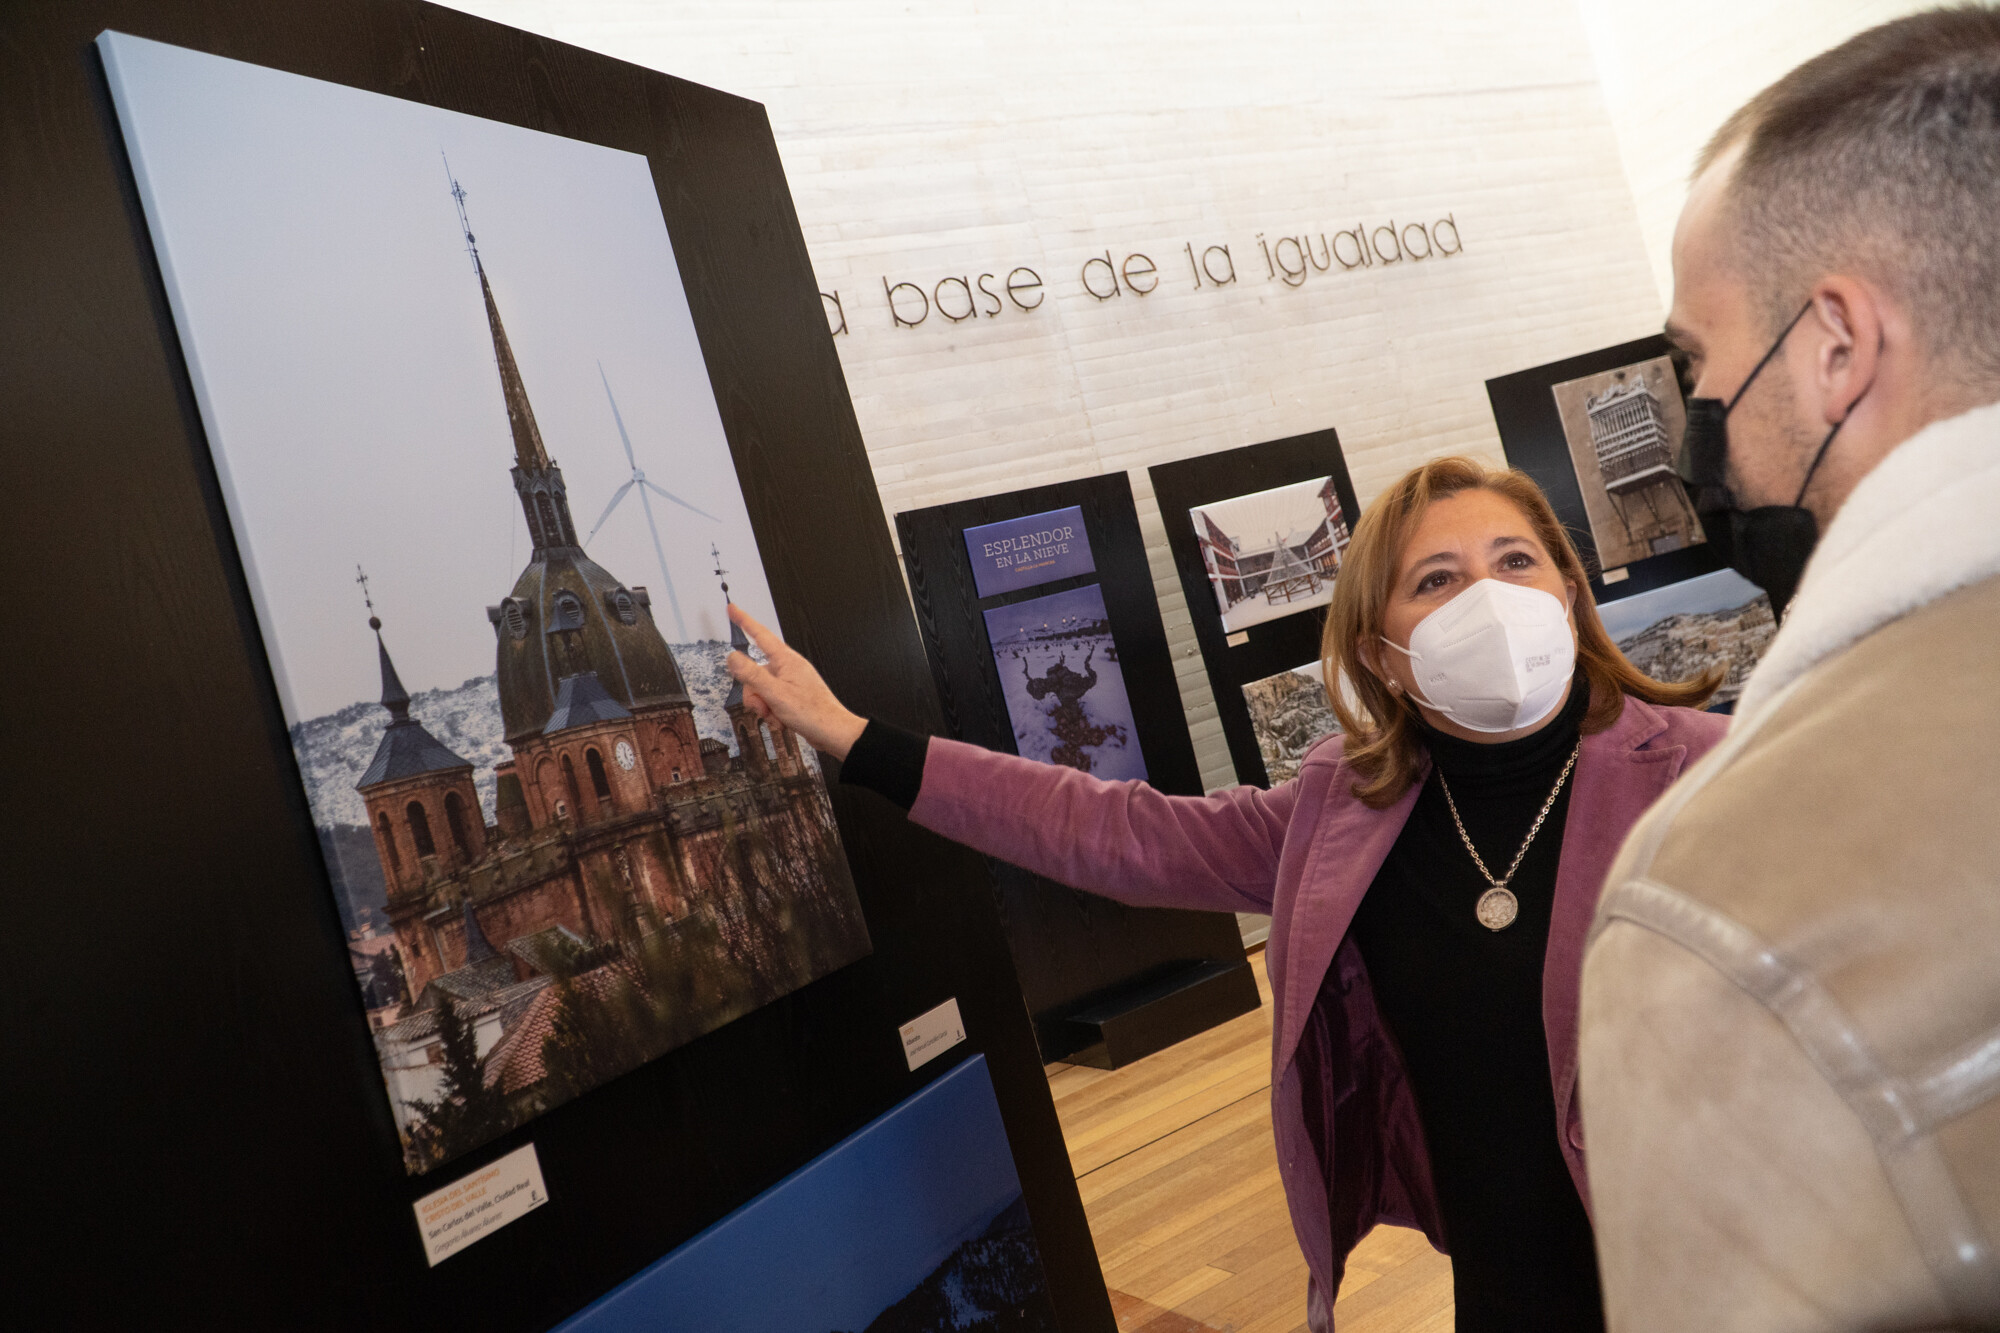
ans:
(1350, 1148)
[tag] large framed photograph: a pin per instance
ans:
(1258, 535)
(1624, 427)
(446, 365)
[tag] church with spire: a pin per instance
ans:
(614, 819)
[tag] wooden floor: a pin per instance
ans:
(1179, 1174)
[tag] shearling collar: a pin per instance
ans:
(1924, 523)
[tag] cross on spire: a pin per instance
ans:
(361, 577)
(464, 225)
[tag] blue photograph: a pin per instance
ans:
(1064, 688)
(913, 1224)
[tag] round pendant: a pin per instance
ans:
(1497, 909)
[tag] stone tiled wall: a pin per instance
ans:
(955, 138)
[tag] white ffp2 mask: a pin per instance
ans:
(1493, 658)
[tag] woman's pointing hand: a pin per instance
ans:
(787, 689)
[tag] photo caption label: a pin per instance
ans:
(474, 1207)
(932, 1033)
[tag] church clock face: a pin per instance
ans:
(625, 756)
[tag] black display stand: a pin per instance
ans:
(200, 1136)
(1531, 433)
(1276, 645)
(1105, 983)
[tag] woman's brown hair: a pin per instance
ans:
(1382, 738)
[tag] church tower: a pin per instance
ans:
(568, 617)
(422, 806)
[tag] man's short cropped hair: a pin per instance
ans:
(1881, 158)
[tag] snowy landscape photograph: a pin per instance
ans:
(1064, 688)
(1679, 631)
(913, 1224)
(491, 527)
(1272, 553)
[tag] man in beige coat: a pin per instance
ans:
(1791, 1002)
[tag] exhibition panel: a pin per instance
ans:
(610, 881)
(1257, 536)
(459, 942)
(1599, 433)
(1045, 639)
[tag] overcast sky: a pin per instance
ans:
(340, 352)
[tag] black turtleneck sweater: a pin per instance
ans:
(1465, 1005)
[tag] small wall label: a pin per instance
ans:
(931, 1034)
(478, 1205)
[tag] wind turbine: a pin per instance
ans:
(641, 485)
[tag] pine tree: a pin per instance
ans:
(465, 1113)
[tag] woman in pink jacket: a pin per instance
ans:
(1430, 875)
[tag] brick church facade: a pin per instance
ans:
(614, 818)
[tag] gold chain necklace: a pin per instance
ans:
(1498, 906)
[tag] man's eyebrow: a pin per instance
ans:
(1680, 337)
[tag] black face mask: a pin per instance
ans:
(1768, 545)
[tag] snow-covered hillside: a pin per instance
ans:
(333, 750)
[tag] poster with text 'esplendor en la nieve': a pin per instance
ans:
(1029, 551)
(428, 350)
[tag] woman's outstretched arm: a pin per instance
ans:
(1121, 839)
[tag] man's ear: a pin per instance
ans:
(1848, 321)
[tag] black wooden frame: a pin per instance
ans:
(1084, 961)
(200, 1132)
(1276, 645)
(1531, 433)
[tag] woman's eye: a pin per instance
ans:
(1519, 560)
(1432, 582)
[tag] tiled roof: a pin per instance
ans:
(516, 1063)
(422, 1023)
(407, 750)
(475, 982)
(580, 701)
(551, 950)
